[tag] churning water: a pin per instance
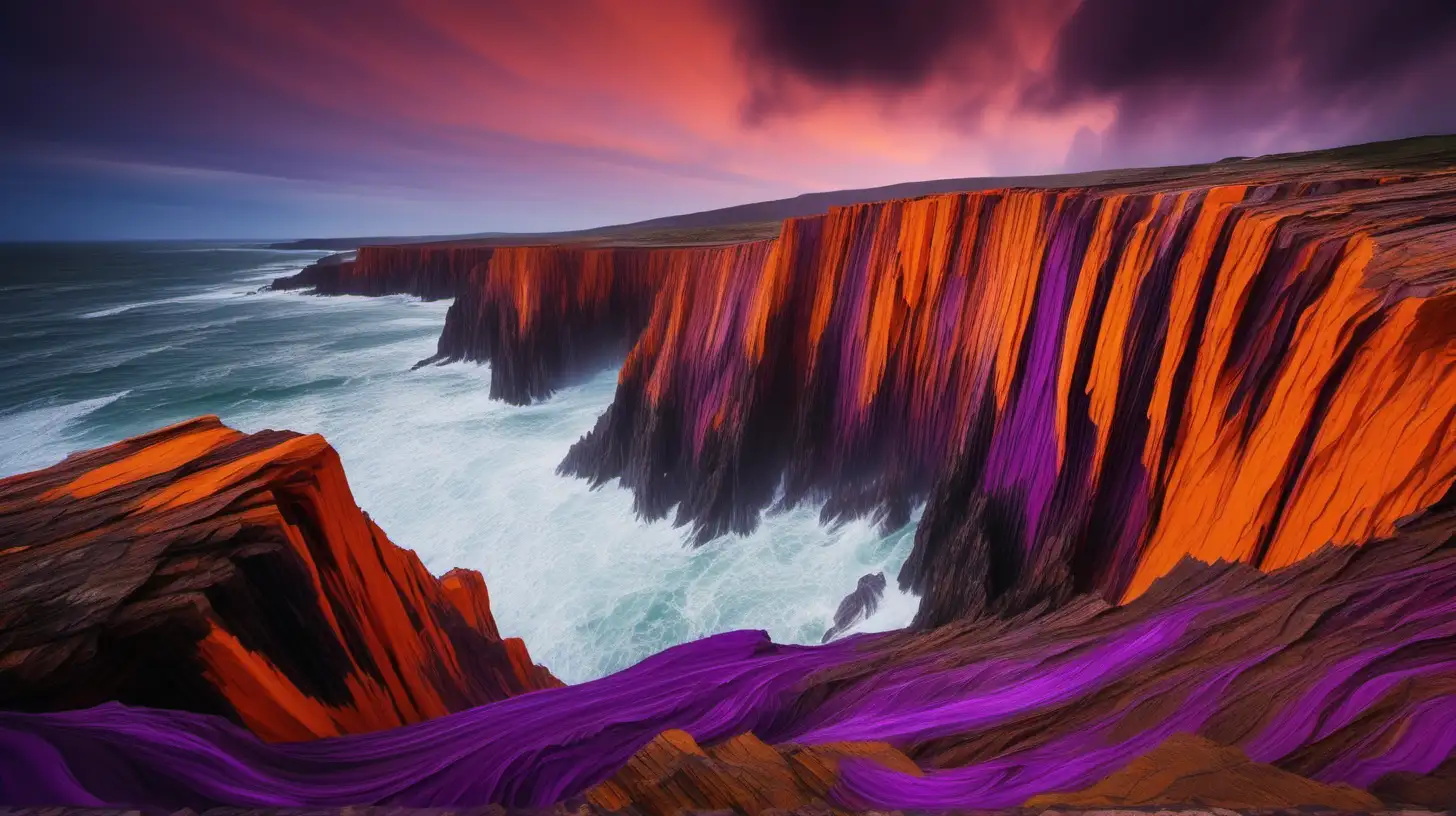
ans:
(103, 341)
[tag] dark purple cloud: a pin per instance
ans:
(535, 109)
(1186, 78)
(1198, 80)
(886, 43)
(885, 46)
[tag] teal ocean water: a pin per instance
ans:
(103, 341)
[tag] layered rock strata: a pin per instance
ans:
(1084, 385)
(1338, 668)
(200, 568)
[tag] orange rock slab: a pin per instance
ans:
(201, 568)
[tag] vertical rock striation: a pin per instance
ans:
(200, 568)
(1084, 385)
(544, 315)
(422, 270)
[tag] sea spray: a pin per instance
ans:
(463, 480)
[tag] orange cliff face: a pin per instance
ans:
(543, 315)
(1084, 385)
(431, 272)
(200, 568)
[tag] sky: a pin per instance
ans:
(277, 119)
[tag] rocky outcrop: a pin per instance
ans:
(324, 276)
(1084, 385)
(430, 272)
(200, 568)
(1338, 669)
(857, 605)
(1187, 768)
(743, 774)
(542, 316)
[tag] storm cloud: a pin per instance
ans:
(1195, 76)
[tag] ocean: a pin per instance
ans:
(99, 342)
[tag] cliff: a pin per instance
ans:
(1083, 385)
(424, 271)
(200, 568)
(1337, 669)
(543, 315)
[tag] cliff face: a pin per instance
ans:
(1084, 385)
(200, 568)
(1338, 669)
(543, 315)
(428, 272)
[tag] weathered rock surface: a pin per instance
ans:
(1084, 385)
(427, 271)
(1190, 769)
(673, 773)
(857, 605)
(1137, 414)
(544, 315)
(1338, 669)
(200, 568)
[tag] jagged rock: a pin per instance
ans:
(1097, 391)
(544, 315)
(740, 775)
(1084, 385)
(325, 276)
(427, 271)
(1337, 668)
(857, 605)
(200, 568)
(1188, 769)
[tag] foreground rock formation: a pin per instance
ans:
(205, 569)
(1338, 669)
